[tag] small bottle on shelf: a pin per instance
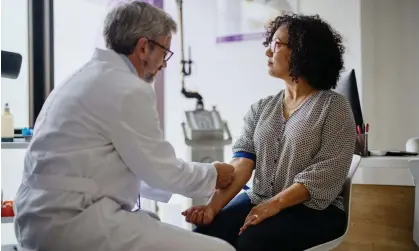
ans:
(7, 125)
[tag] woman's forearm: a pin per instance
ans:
(242, 173)
(293, 195)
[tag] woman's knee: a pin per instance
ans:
(259, 237)
(249, 243)
(249, 239)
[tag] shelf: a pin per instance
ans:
(6, 220)
(14, 145)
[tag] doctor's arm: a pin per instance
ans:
(137, 137)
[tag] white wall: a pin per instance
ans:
(390, 63)
(77, 25)
(343, 16)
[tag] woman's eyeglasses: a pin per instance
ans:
(275, 44)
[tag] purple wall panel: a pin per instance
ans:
(240, 37)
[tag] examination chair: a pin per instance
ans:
(356, 159)
(414, 170)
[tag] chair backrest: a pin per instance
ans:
(346, 192)
(356, 159)
(414, 170)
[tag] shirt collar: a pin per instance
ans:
(130, 65)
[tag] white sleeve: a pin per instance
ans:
(150, 193)
(137, 137)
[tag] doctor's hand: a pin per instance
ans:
(199, 215)
(225, 174)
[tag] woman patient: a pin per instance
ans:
(299, 142)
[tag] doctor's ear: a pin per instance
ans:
(142, 48)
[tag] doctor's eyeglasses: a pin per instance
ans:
(168, 53)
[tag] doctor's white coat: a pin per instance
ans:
(96, 138)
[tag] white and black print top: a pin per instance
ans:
(313, 147)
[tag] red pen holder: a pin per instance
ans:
(361, 146)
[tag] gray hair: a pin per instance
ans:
(128, 22)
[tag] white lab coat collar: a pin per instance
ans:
(112, 57)
(129, 63)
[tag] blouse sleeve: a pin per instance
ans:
(244, 146)
(324, 178)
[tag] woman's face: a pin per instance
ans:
(279, 54)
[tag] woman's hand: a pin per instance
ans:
(259, 213)
(199, 215)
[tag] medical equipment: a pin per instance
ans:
(186, 71)
(207, 131)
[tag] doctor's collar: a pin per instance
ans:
(128, 63)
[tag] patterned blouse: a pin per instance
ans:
(313, 147)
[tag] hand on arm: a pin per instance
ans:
(225, 174)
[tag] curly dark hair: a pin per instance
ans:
(316, 49)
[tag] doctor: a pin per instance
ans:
(97, 137)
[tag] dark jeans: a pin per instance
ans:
(293, 229)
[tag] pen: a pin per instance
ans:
(365, 130)
(358, 130)
(366, 139)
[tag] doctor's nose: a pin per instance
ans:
(164, 64)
